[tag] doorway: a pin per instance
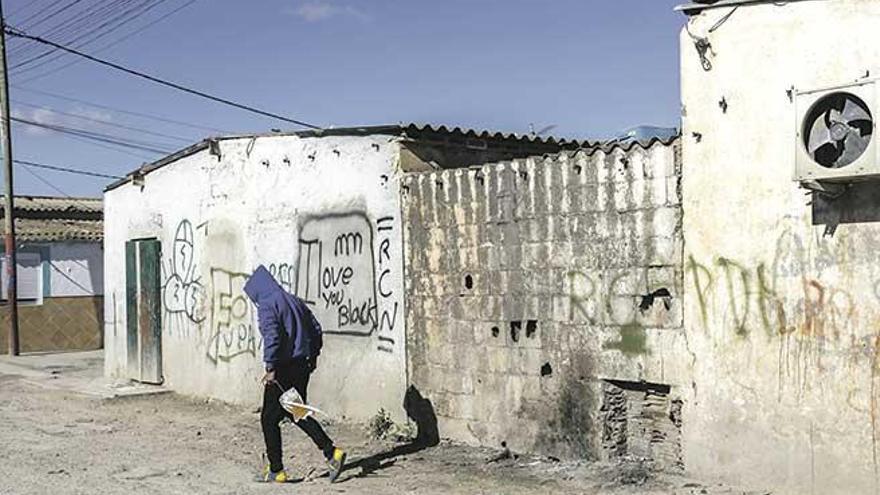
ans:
(143, 306)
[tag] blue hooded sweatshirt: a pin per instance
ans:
(290, 330)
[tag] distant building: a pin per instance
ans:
(60, 274)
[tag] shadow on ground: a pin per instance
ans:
(421, 412)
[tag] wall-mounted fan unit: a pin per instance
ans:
(835, 134)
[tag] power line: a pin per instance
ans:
(125, 151)
(70, 24)
(112, 43)
(21, 34)
(46, 182)
(57, 189)
(53, 14)
(95, 136)
(113, 23)
(22, 8)
(119, 110)
(69, 170)
(105, 122)
(80, 25)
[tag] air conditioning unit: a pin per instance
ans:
(835, 134)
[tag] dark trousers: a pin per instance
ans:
(294, 375)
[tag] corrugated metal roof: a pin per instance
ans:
(697, 7)
(407, 130)
(53, 219)
(417, 130)
(607, 148)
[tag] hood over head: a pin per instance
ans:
(260, 285)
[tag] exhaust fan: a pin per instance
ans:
(835, 138)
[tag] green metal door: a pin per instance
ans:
(143, 310)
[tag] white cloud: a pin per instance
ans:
(43, 115)
(322, 10)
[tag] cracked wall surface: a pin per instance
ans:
(530, 281)
(781, 299)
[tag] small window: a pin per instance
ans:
(30, 278)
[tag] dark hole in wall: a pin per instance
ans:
(659, 388)
(468, 282)
(641, 420)
(531, 328)
(496, 331)
(546, 369)
(515, 328)
(661, 293)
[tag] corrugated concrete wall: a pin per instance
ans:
(321, 213)
(538, 287)
(781, 286)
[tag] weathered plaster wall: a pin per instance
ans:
(782, 308)
(524, 282)
(321, 213)
(74, 269)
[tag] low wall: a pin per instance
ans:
(58, 324)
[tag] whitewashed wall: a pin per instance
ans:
(296, 205)
(782, 307)
(75, 269)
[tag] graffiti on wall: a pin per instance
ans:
(182, 290)
(778, 297)
(336, 273)
(233, 332)
(345, 270)
(387, 307)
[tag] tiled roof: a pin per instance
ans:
(45, 230)
(48, 219)
(52, 204)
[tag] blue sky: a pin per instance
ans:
(589, 67)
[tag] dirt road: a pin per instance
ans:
(54, 441)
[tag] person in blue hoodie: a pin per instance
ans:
(292, 342)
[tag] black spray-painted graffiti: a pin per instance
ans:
(232, 318)
(336, 272)
(182, 290)
(285, 274)
(388, 313)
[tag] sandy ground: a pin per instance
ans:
(55, 438)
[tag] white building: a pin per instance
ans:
(320, 209)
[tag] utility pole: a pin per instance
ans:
(8, 217)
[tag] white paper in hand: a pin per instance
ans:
(292, 402)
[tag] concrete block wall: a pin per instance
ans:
(530, 283)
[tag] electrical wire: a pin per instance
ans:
(119, 110)
(105, 122)
(47, 182)
(72, 25)
(142, 75)
(95, 136)
(69, 170)
(112, 43)
(112, 23)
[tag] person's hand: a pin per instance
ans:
(268, 377)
